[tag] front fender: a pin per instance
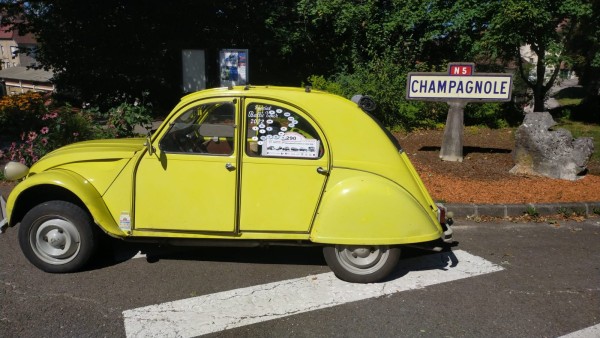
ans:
(364, 208)
(69, 184)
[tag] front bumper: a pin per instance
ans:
(3, 215)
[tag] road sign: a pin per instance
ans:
(457, 87)
(459, 83)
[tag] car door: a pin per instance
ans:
(190, 183)
(284, 168)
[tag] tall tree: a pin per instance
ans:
(102, 51)
(546, 26)
(584, 51)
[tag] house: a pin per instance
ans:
(16, 74)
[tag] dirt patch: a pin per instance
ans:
(483, 175)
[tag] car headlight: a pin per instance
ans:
(15, 170)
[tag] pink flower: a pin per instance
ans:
(50, 116)
(45, 141)
(45, 130)
(76, 134)
(32, 135)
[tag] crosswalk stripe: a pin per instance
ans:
(229, 309)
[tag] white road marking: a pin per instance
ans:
(229, 309)
(590, 332)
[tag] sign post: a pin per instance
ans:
(459, 86)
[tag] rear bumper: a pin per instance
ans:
(3, 215)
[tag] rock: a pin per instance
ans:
(552, 153)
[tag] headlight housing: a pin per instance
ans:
(15, 170)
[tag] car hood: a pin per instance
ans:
(97, 150)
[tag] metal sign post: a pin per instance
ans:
(459, 86)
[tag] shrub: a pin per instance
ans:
(385, 80)
(59, 126)
(122, 120)
(17, 111)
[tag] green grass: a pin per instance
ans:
(569, 101)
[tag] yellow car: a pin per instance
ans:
(234, 166)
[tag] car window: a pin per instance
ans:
(277, 131)
(204, 129)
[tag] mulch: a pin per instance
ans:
(483, 177)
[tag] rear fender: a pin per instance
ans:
(60, 184)
(364, 208)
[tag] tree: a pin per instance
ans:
(546, 26)
(106, 51)
(584, 50)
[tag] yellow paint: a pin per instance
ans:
(360, 189)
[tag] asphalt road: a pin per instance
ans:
(549, 286)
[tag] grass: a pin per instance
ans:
(569, 101)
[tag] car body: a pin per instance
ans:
(224, 168)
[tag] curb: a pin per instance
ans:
(462, 211)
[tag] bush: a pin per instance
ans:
(17, 111)
(122, 120)
(33, 125)
(384, 80)
(59, 126)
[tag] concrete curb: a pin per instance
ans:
(462, 211)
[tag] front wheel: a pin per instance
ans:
(361, 264)
(57, 237)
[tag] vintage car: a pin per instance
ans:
(225, 168)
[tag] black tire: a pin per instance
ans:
(58, 237)
(361, 264)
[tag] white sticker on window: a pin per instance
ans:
(292, 146)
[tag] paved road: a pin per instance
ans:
(547, 284)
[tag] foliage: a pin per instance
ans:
(102, 50)
(121, 120)
(21, 110)
(544, 25)
(384, 80)
(50, 124)
(117, 48)
(532, 212)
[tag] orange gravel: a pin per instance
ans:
(483, 176)
(514, 190)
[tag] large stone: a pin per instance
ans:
(539, 150)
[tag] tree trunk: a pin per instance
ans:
(539, 94)
(452, 144)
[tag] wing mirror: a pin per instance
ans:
(149, 146)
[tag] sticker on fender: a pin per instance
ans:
(229, 309)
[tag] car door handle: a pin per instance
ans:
(322, 171)
(230, 167)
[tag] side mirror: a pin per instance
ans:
(149, 146)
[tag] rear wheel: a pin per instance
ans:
(361, 264)
(57, 237)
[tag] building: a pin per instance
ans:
(16, 73)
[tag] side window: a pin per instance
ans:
(204, 129)
(275, 131)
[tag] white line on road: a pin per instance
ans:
(590, 332)
(229, 309)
